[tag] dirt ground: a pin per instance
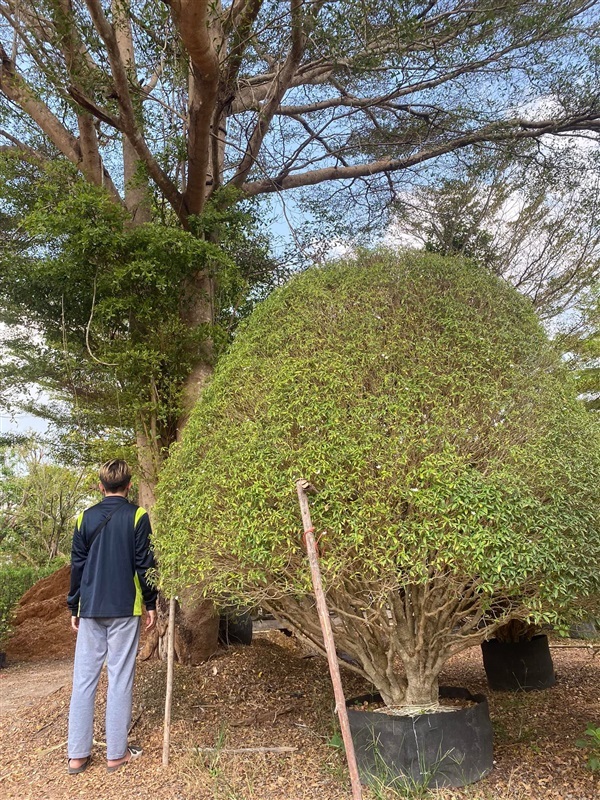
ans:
(276, 694)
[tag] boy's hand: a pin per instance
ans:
(150, 620)
(75, 623)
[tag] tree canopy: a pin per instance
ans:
(268, 96)
(457, 474)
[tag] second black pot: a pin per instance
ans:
(235, 628)
(518, 666)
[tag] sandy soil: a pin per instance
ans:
(24, 684)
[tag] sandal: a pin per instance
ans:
(134, 751)
(76, 770)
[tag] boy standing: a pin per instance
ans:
(110, 557)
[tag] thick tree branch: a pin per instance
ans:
(18, 92)
(242, 18)
(278, 88)
(512, 130)
(95, 110)
(76, 59)
(255, 92)
(75, 56)
(192, 20)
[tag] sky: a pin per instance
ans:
(20, 423)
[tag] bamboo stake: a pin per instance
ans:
(302, 487)
(284, 749)
(169, 689)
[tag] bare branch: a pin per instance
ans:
(21, 147)
(94, 109)
(278, 88)
(512, 130)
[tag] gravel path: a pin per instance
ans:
(23, 685)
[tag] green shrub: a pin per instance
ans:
(458, 476)
(591, 745)
(14, 582)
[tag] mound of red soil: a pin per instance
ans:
(42, 627)
(42, 622)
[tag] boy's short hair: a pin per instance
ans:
(115, 475)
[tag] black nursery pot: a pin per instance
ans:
(433, 749)
(235, 628)
(518, 666)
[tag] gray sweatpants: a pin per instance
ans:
(114, 639)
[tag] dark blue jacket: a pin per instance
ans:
(108, 578)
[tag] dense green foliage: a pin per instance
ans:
(14, 582)
(423, 400)
(106, 302)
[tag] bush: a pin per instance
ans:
(458, 476)
(14, 582)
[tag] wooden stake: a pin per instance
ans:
(284, 749)
(302, 487)
(169, 689)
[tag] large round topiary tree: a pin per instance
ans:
(458, 477)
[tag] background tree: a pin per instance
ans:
(40, 500)
(176, 111)
(538, 226)
(457, 474)
(10, 495)
(583, 348)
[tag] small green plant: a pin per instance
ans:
(212, 761)
(336, 741)
(592, 745)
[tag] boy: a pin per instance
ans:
(110, 557)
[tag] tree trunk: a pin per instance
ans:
(422, 690)
(196, 631)
(148, 470)
(196, 625)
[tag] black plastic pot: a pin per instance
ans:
(584, 630)
(518, 666)
(433, 749)
(2, 660)
(235, 628)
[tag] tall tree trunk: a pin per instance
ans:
(137, 202)
(148, 475)
(196, 622)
